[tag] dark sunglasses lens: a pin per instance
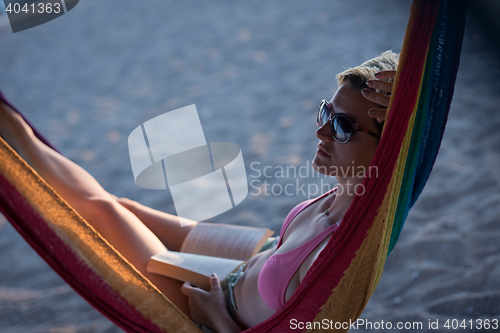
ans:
(342, 128)
(323, 115)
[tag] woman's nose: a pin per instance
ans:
(324, 133)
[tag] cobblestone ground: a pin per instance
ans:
(256, 72)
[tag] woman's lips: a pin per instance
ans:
(321, 151)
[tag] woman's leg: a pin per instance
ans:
(112, 220)
(165, 226)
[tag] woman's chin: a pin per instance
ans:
(324, 165)
(319, 166)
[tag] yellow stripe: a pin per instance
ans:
(90, 247)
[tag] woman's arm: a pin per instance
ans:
(210, 308)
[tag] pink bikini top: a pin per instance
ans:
(279, 268)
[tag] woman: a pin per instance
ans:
(350, 128)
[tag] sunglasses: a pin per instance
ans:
(342, 127)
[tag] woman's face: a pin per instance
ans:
(345, 160)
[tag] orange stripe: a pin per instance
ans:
(90, 247)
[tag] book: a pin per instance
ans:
(194, 268)
(225, 241)
(210, 248)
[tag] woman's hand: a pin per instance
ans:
(209, 308)
(379, 98)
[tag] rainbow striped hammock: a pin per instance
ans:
(343, 278)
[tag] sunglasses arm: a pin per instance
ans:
(367, 131)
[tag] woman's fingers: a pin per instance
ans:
(378, 114)
(186, 288)
(376, 97)
(380, 85)
(386, 74)
(215, 283)
(379, 98)
(207, 308)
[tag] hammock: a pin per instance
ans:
(342, 279)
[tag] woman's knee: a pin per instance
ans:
(127, 203)
(121, 227)
(98, 208)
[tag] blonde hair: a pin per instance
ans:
(357, 76)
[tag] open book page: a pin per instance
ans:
(226, 241)
(191, 267)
